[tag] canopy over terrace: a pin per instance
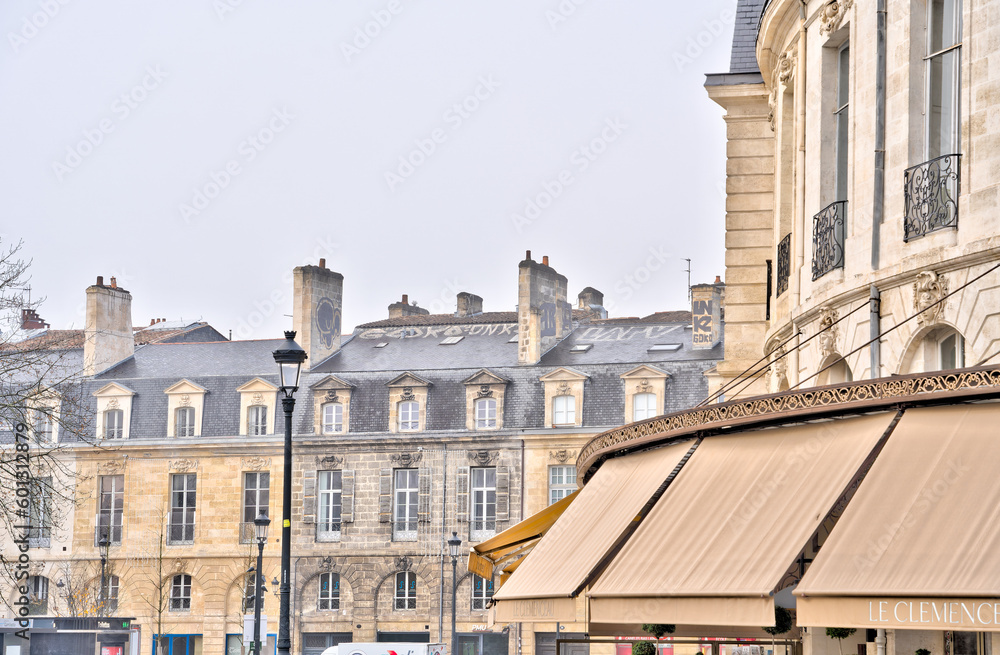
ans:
(681, 560)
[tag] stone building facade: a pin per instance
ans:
(862, 183)
(406, 430)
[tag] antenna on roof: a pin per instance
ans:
(689, 277)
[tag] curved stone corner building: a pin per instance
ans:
(862, 163)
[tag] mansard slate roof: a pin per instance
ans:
(743, 58)
(618, 346)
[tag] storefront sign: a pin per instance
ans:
(540, 609)
(913, 613)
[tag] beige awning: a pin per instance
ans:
(544, 583)
(484, 556)
(919, 545)
(719, 541)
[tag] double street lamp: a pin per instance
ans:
(289, 357)
(260, 531)
(454, 546)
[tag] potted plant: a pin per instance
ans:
(840, 634)
(644, 648)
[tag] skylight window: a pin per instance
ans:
(513, 339)
(381, 344)
(664, 347)
(581, 347)
(451, 341)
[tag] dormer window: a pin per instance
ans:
(408, 403)
(184, 422)
(484, 394)
(257, 402)
(486, 413)
(257, 420)
(114, 411)
(333, 418)
(643, 406)
(409, 416)
(564, 410)
(114, 420)
(563, 397)
(185, 407)
(645, 392)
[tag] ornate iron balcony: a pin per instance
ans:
(931, 191)
(784, 265)
(828, 238)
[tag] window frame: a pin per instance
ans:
(561, 487)
(332, 597)
(568, 412)
(931, 57)
(336, 424)
(40, 513)
(187, 511)
(842, 123)
(253, 505)
(482, 523)
(115, 510)
(410, 409)
(184, 428)
(406, 512)
(649, 398)
(485, 420)
(481, 593)
(330, 496)
(407, 600)
(38, 589)
(257, 420)
(117, 432)
(178, 602)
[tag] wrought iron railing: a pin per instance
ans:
(931, 195)
(328, 530)
(784, 265)
(405, 530)
(828, 238)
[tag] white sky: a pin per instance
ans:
(344, 109)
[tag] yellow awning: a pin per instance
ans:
(483, 557)
(719, 541)
(919, 545)
(544, 583)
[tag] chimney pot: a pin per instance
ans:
(152, 321)
(322, 262)
(114, 282)
(718, 280)
(545, 259)
(527, 255)
(100, 280)
(405, 300)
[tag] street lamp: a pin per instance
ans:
(260, 531)
(103, 545)
(289, 357)
(454, 545)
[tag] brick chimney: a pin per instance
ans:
(469, 304)
(544, 316)
(318, 295)
(706, 314)
(107, 332)
(30, 320)
(404, 308)
(592, 300)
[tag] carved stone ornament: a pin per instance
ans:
(113, 467)
(255, 463)
(183, 465)
(828, 331)
(644, 386)
(113, 404)
(927, 290)
(785, 69)
(178, 566)
(257, 398)
(330, 461)
(832, 15)
(772, 102)
(185, 401)
(407, 394)
(406, 460)
(326, 564)
(484, 391)
(779, 368)
(564, 388)
(403, 563)
(331, 396)
(562, 456)
(483, 457)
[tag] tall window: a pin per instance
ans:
(184, 422)
(40, 517)
(38, 595)
(42, 420)
(951, 351)
(562, 482)
(249, 592)
(110, 600)
(333, 418)
(257, 420)
(486, 413)
(944, 48)
(407, 501)
(564, 410)
(841, 113)
(406, 591)
(330, 501)
(182, 507)
(409, 416)
(111, 508)
(114, 422)
(484, 503)
(180, 593)
(643, 406)
(256, 496)
(482, 592)
(329, 591)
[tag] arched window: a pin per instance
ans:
(564, 410)
(406, 591)
(184, 422)
(409, 416)
(114, 421)
(333, 418)
(643, 406)
(38, 595)
(329, 591)
(180, 593)
(486, 413)
(834, 370)
(257, 420)
(939, 349)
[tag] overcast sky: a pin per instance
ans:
(200, 150)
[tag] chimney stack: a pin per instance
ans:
(404, 308)
(469, 304)
(316, 310)
(706, 314)
(108, 337)
(544, 316)
(30, 320)
(592, 300)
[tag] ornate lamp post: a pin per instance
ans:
(260, 531)
(103, 545)
(289, 357)
(454, 545)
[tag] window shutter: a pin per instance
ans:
(463, 494)
(309, 497)
(347, 496)
(425, 496)
(385, 496)
(503, 493)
